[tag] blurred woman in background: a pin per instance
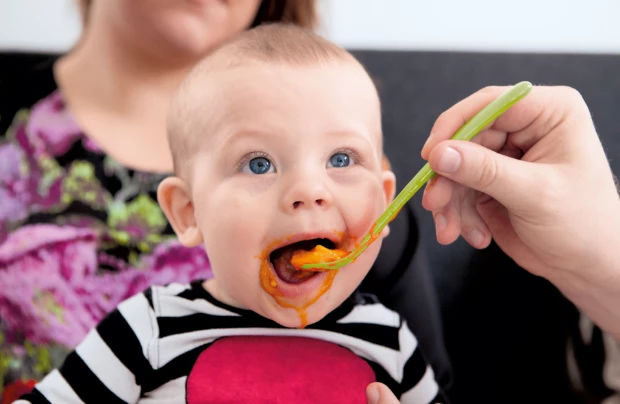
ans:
(82, 149)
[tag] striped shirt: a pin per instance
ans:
(144, 351)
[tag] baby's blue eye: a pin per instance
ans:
(339, 160)
(260, 165)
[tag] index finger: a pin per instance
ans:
(532, 117)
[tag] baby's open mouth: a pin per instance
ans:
(281, 260)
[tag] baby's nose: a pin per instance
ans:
(307, 193)
(300, 203)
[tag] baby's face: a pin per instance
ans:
(290, 154)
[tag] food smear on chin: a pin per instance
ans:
(318, 254)
(269, 283)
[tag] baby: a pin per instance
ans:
(277, 145)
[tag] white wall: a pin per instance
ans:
(38, 24)
(517, 25)
(513, 25)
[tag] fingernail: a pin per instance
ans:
(440, 221)
(431, 183)
(476, 237)
(425, 145)
(373, 395)
(450, 161)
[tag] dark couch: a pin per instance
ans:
(505, 331)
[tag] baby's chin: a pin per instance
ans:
(294, 318)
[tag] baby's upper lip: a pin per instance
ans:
(329, 235)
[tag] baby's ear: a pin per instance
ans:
(174, 196)
(389, 189)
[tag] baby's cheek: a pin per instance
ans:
(364, 207)
(234, 226)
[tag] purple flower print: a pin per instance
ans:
(173, 262)
(51, 128)
(170, 262)
(38, 267)
(51, 289)
(13, 184)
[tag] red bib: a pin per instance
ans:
(263, 369)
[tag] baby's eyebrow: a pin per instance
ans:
(240, 135)
(359, 139)
(346, 133)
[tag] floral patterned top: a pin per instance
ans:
(79, 232)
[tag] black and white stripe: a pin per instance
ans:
(147, 347)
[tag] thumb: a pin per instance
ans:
(379, 393)
(506, 179)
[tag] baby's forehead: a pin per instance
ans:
(264, 93)
(261, 85)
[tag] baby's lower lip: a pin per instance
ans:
(302, 289)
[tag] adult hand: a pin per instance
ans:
(379, 393)
(536, 181)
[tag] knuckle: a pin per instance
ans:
(488, 173)
(573, 97)
(570, 93)
(443, 117)
(488, 90)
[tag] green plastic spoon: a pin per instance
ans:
(467, 132)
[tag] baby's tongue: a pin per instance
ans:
(281, 261)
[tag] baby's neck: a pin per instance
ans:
(211, 285)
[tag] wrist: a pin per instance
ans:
(599, 303)
(594, 285)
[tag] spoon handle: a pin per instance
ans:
(466, 132)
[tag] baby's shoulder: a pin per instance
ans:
(368, 307)
(184, 299)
